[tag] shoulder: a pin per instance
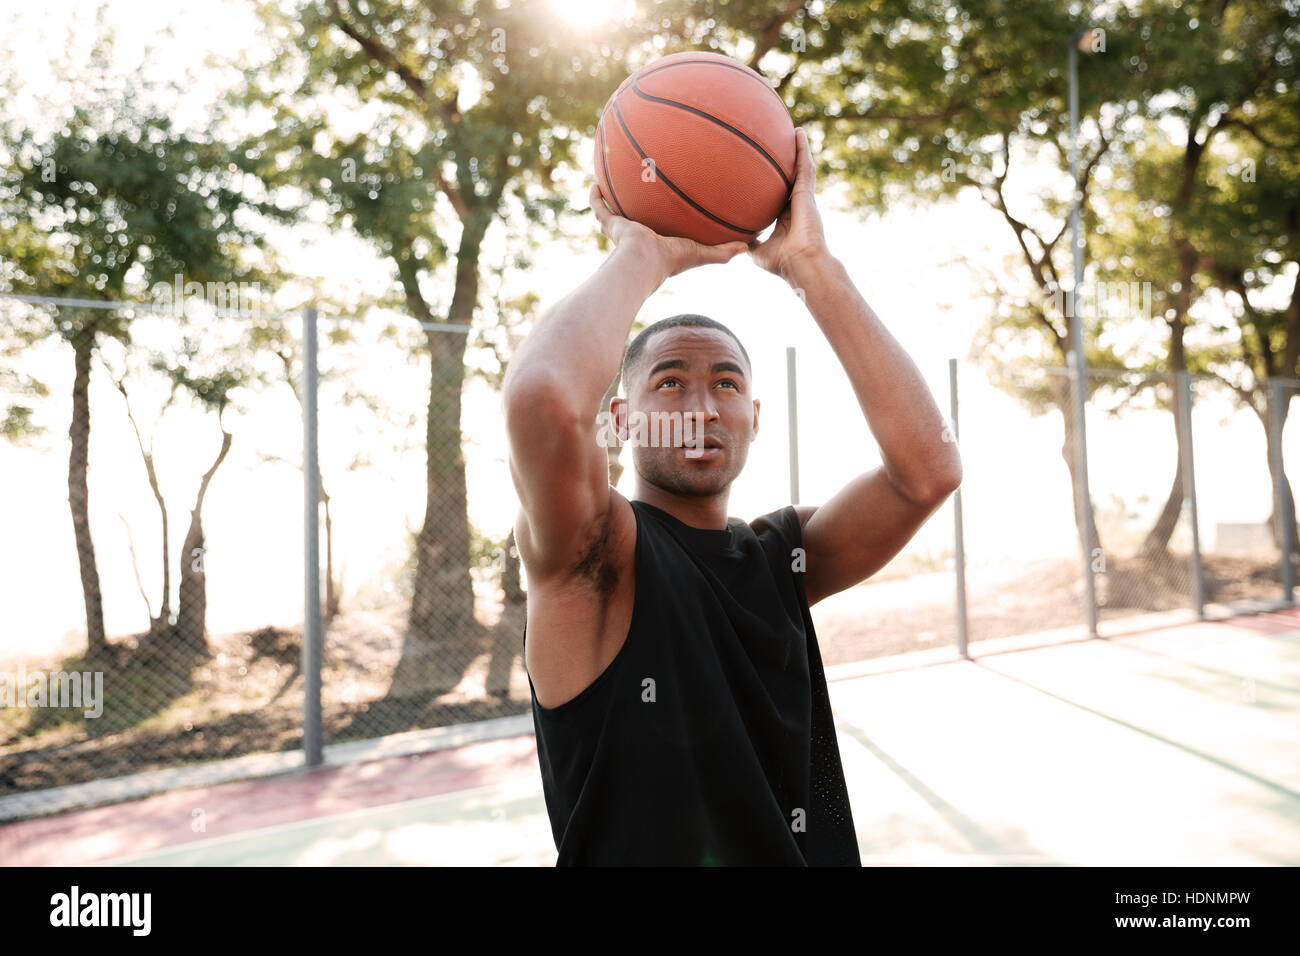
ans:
(784, 526)
(804, 512)
(780, 535)
(791, 518)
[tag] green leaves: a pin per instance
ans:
(107, 211)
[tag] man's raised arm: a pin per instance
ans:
(553, 386)
(863, 526)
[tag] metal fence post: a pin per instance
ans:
(793, 416)
(1184, 420)
(311, 631)
(1286, 520)
(1079, 366)
(959, 544)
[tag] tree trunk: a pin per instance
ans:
(331, 608)
(1061, 390)
(159, 625)
(442, 606)
(163, 621)
(192, 602)
(79, 493)
(1279, 479)
(510, 582)
(1156, 543)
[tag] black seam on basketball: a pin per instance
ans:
(604, 164)
(727, 126)
(746, 71)
(618, 114)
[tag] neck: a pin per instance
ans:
(698, 511)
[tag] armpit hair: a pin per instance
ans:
(596, 563)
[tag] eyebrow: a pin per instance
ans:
(665, 364)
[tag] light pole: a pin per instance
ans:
(1080, 40)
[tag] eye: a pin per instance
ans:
(665, 382)
(731, 382)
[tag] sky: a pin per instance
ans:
(1015, 492)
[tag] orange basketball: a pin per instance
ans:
(696, 145)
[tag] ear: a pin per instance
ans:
(755, 416)
(618, 410)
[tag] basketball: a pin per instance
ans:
(696, 145)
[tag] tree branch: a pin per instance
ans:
(1243, 393)
(446, 109)
(135, 567)
(772, 31)
(906, 119)
(1292, 353)
(457, 202)
(1254, 131)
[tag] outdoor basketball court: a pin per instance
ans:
(1175, 746)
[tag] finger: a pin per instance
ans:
(723, 252)
(805, 173)
(598, 205)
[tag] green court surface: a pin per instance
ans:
(1175, 746)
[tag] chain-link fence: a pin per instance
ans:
(166, 626)
(1234, 492)
(1141, 498)
(1284, 455)
(425, 625)
(153, 574)
(1020, 554)
(153, 610)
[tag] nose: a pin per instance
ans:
(704, 404)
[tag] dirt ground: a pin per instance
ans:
(162, 709)
(886, 617)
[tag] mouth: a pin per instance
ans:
(712, 449)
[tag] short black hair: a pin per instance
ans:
(635, 350)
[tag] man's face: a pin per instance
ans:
(688, 370)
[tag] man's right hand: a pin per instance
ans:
(675, 254)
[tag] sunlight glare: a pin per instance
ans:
(586, 14)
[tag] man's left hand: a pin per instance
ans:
(798, 238)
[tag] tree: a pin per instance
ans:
(930, 100)
(161, 623)
(917, 102)
(1214, 70)
(472, 114)
(102, 209)
(209, 377)
(1246, 231)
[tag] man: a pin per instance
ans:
(678, 696)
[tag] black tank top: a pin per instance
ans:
(709, 739)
